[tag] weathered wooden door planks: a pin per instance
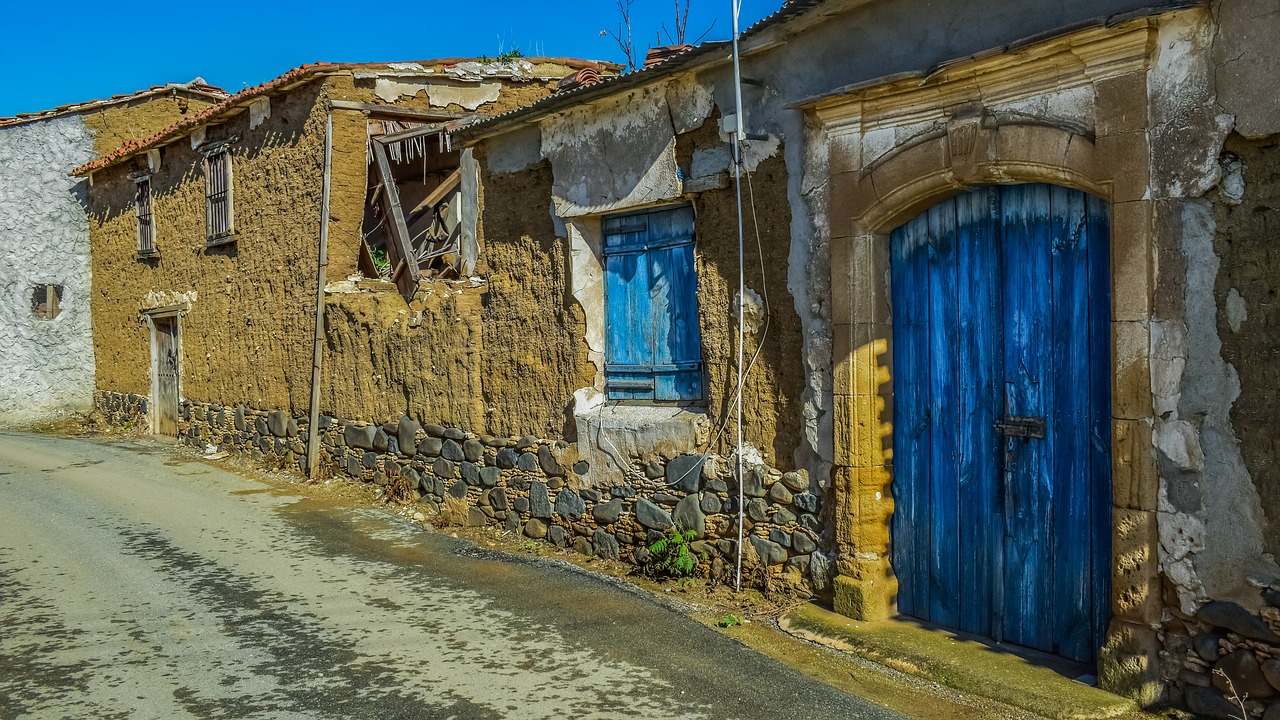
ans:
(166, 369)
(1001, 425)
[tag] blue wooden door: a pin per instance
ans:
(1001, 377)
(653, 344)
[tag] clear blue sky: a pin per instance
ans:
(56, 52)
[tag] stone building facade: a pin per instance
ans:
(46, 343)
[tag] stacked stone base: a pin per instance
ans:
(540, 489)
(123, 409)
(1225, 642)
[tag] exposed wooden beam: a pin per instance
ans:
(392, 111)
(405, 271)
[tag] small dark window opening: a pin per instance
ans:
(46, 301)
(218, 210)
(146, 228)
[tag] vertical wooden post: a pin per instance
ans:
(313, 419)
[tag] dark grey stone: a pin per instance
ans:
(688, 515)
(324, 421)
(547, 461)
(444, 469)
(770, 552)
(780, 536)
(1271, 671)
(582, 546)
(433, 430)
(440, 487)
(489, 476)
(653, 470)
(291, 428)
(606, 545)
(569, 504)
(1271, 596)
(535, 529)
(581, 467)
(393, 445)
(1210, 704)
(807, 502)
(380, 440)
(651, 516)
(757, 509)
(407, 435)
(711, 503)
(455, 434)
(259, 426)
(521, 504)
(277, 422)
(493, 442)
(1272, 713)
(684, 472)
(458, 490)
(795, 482)
(390, 428)
(451, 450)
(607, 513)
(473, 451)
(507, 458)
(652, 536)
(512, 523)
(780, 494)
(558, 536)
(239, 421)
(589, 494)
(717, 485)
(430, 446)
(390, 467)
(370, 460)
(498, 498)
(1235, 618)
(622, 491)
(1245, 673)
(351, 464)
(784, 516)
(379, 478)
(810, 523)
(476, 518)
(1206, 645)
(528, 462)
(281, 446)
(539, 500)
(802, 543)
(664, 498)
(526, 441)
(358, 437)
(470, 473)
(753, 481)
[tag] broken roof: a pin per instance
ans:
(684, 60)
(195, 87)
(447, 68)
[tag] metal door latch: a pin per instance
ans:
(1021, 426)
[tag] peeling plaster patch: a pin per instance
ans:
(470, 96)
(1180, 443)
(616, 154)
(153, 160)
(164, 298)
(1185, 133)
(1237, 313)
(470, 188)
(757, 151)
(691, 104)
(514, 151)
(753, 310)
(1232, 187)
(259, 111)
(197, 137)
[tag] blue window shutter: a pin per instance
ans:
(653, 341)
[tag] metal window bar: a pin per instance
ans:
(146, 227)
(218, 195)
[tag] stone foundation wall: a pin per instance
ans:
(123, 409)
(1243, 645)
(533, 487)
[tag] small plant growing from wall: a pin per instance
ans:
(671, 555)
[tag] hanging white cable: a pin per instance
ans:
(742, 285)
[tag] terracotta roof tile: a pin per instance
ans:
(197, 86)
(294, 76)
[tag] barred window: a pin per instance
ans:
(146, 227)
(218, 196)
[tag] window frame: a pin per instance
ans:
(219, 195)
(144, 212)
(623, 381)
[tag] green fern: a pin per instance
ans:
(670, 556)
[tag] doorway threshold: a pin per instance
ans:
(1043, 684)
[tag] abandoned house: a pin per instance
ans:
(46, 343)
(1007, 311)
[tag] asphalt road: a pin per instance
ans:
(137, 585)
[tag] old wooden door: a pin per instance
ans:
(166, 375)
(1001, 430)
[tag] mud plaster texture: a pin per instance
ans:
(1248, 319)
